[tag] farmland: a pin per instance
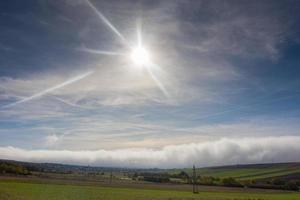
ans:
(21, 181)
(245, 172)
(15, 190)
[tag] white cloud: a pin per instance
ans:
(51, 140)
(220, 152)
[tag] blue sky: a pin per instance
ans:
(221, 73)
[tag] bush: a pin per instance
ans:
(231, 182)
(277, 182)
(291, 185)
(207, 180)
(13, 169)
(267, 186)
(182, 175)
(157, 179)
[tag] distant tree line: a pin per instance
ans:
(151, 177)
(10, 168)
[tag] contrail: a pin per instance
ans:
(75, 79)
(105, 20)
(69, 103)
(241, 107)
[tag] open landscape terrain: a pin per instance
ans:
(23, 180)
(149, 99)
(32, 191)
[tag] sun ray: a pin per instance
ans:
(107, 22)
(139, 32)
(139, 55)
(157, 81)
(100, 52)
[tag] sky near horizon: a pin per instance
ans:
(222, 87)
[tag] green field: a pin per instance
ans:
(35, 191)
(60, 186)
(255, 173)
(245, 172)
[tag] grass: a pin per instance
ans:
(34, 191)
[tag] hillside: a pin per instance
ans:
(250, 171)
(239, 172)
(269, 176)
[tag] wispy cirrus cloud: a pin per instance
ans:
(103, 129)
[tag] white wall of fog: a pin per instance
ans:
(219, 152)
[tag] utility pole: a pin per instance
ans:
(195, 188)
(110, 177)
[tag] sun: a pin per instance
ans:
(140, 56)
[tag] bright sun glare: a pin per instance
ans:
(140, 56)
